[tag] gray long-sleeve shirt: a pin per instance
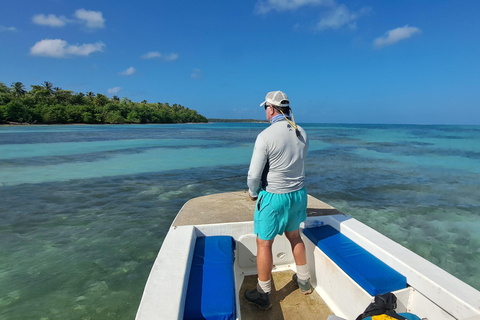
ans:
(278, 160)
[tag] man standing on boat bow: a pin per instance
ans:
(276, 180)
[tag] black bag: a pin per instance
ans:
(383, 304)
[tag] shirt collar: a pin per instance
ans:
(277, 118)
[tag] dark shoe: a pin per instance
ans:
(305, 286)
(261, 300)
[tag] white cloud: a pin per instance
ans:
(341, 16)
(114, 90)
(170, 57)
(92, 19)
(152, 55)
(196, 74)
(58, 48)
(128, 72)
(338, 15)
(158, 55)
(393, 36)
(51, 20)
(265, 6)
(2, 28)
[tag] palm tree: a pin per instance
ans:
(18, 89)
(48, 86)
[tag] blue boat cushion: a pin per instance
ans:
(364, 268)
(211, 286)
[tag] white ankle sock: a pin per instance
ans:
(303, 273)
(264, 286)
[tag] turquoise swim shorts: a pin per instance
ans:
(277, 213)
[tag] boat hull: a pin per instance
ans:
(431, 293)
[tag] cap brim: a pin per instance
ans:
(261, 105)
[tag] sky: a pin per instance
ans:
(369, 61)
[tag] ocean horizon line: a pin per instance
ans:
(213, 120)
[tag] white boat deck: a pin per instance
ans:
(234, 207)
(287, 301)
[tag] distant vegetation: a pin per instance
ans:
(45, 104)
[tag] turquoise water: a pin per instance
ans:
(85, 208)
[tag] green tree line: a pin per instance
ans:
(46, 104)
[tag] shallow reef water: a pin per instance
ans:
(85, 208)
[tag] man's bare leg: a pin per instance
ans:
(260, 295)
(264, 259)
(302, 277)
(298, 247)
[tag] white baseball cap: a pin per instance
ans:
(277, 98)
